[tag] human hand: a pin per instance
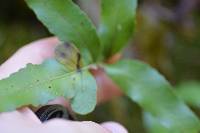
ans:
(24, 120)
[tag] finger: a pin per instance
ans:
(11, 122)
(19, 117)
(74, 127)
(29, 114)
(106, 88)
(114, 58)
(114, 127)
(60, 100)
(35, 53)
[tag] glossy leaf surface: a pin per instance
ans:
(154, 94)
(66, 20)
(38, 84)
(117, 24)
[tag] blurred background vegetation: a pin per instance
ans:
(167, 37)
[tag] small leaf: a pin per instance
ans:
(85, 99)
(117, 24)
(66, 20)
(37, 84)
(154, 94)
(69, 56)
(189, 92)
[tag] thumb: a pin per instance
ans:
(82, 127)
(35, 53)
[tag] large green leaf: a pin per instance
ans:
(117, 24)
(66, 20)
(154, 125)
(37, 84)
(154, 94)
(189, 92)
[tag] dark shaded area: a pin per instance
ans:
(18, 26)
(49, 112)
(167, 37)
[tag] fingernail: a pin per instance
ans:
(114, 127)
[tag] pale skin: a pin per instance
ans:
(25, 121)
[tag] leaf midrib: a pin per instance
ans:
(30, 86)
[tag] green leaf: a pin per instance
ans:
(154, 94)
(117, 24)
(38, 84)
(189, 92)
(154, 125)
(69, 56)
(66, 20)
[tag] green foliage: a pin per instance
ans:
(154, 125)
(65, 19)
(117, 24)
(154, 94)
(189, 92)
(37, 84)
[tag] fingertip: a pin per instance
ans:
(114, 127)
(40, 50)
(107, 89)
(34, 53)
(29, 114)
(60, 100)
